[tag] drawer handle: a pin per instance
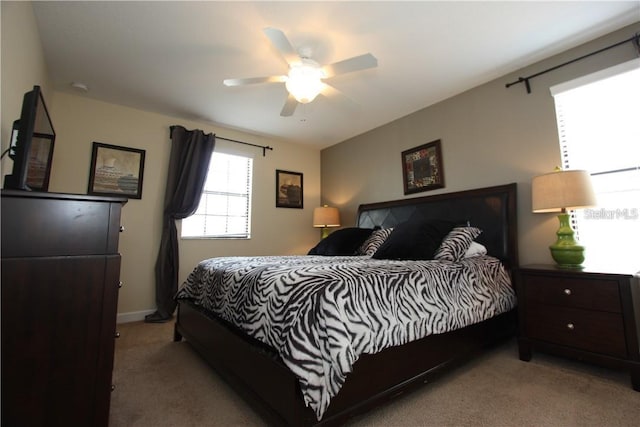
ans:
(117, 335)
(570, 326)
(121, 228)
(120, 284)
(567, 291)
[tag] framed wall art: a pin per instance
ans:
(116, 171)
(422, 168)
(289, 189)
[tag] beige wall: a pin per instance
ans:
(23, 66)
(490, 135)
(79, 121)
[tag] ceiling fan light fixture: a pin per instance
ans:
(303, 82)
(304, 79)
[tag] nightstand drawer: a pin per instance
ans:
(600, 295)
(594, 331)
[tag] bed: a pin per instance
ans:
(270, 380)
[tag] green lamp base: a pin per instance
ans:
(566, 251)
(325, 232)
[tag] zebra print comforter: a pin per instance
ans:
(321, 313)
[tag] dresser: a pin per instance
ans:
(586, 314)
(60, 279)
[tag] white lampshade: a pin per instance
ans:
(326, 216)
(304, 82)
(555, 191)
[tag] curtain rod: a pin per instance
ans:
(635, 39)
(264, 147)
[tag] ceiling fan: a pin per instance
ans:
(305, 78)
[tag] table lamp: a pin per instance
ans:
(325, 217)
(556, 192)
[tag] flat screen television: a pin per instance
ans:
(31, 148)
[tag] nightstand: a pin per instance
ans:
(590, 315)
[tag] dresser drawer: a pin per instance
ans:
(591, 294)
(595, 331)
(48, 226)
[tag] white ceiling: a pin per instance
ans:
(171, 57)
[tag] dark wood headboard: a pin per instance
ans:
(492, 209)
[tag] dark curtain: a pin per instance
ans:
(188, 165)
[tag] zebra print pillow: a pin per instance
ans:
(374, 241)
(415, 239)
(456, 243)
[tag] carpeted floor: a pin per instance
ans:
(162, 383)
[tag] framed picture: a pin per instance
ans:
(289, 189)
(116, 171)
(422, 168)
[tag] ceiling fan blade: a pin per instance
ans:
(356, 63)
(254, 80)
(289, 106)
(281, 42)
(331, 92)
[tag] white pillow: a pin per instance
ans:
(475, 249)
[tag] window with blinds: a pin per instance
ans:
(597, 119)
(225, 207)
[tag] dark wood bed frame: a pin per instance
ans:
(257, 373)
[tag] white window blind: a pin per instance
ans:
(598, 127)
(225, 206)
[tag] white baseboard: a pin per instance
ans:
(133, 316)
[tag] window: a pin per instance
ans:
(225, 206)
(598, 126)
